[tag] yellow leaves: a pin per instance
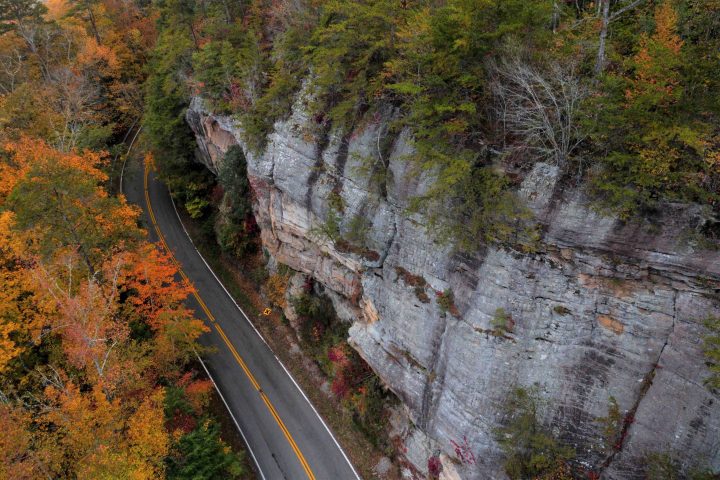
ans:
(666, 19)
(8, 348)
(101, 439)
(89, 422)
(17, 312)
(17, 460)
(148, 441)
(662, 151)
(461, 44)
(56, 9)
(275, 289)
(657, 58)
(99, 56)
(713, 161)
(31, 152)
(658, 161)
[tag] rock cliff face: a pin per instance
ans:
(602, 309)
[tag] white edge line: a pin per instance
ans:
(242, 434)
(265, 342)
(247, 444)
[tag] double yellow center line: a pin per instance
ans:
(220, 331)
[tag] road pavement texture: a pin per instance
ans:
(285, 436)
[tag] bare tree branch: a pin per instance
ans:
(539, 109)
(630, 6)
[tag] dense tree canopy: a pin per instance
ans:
(94, 330)
(621, 94)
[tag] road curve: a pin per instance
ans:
(286, 437)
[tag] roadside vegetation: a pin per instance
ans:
(98, 373)
(339, 383)
(324, 337)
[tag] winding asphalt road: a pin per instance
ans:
(286, 437)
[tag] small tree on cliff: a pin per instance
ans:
(530, 451)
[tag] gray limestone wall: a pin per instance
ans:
(604, 308)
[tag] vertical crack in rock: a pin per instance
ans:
(390, 243)
(342, 156)
(429, 390)
(340, 162)
(320, 146)
(271, 174)
(385, 144)
(647, 382)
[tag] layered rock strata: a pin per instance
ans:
(603, 308)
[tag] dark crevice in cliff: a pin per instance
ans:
(342, 156)
(428, 396)
(384, 254)
(647, 383)
(439, 374)
(385, 145)
(321, 144)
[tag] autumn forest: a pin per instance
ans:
(97, 350)
(99, 372)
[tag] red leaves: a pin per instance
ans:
(463, 452)
(339, 358)
(337, 355)
(434, 466)
(340, 386)
(350, 371)
(197, 392)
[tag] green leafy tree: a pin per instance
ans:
(440, 68)
(215, 69)
(530, 451)
(166, 99)
(612, 424)
(347, 52)
(236, 226)
(16, 14)
(202, 455)
(61, 200)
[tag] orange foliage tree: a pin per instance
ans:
(97, 314)
(656, 148)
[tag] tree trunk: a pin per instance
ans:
(228, 17)
(605, 12)
(555, 17)
(194, 36)
(93, 24)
